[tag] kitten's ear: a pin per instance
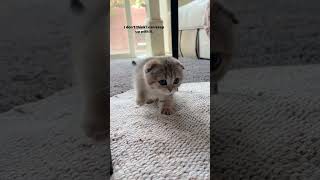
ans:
(178, 62)
(150, 65)
(180, 65)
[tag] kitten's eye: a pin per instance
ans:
(163, 82)
(176, 81)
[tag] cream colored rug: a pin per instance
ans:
(146, 144)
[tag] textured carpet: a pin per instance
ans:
(43, 140)
(266, 124)
(148, 145)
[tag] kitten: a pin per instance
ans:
(157, 79)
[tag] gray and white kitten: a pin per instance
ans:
(157, 79)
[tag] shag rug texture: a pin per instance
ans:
(148, 145)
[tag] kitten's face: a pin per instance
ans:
(163, 74)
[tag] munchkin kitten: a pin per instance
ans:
(156, 80)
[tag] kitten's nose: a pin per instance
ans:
(170, 88)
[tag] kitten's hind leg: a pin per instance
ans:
(140, 91)
(151, 100)
(140, 99)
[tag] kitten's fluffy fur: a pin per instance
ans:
(157, 79)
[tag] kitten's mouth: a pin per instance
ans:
(170, 93)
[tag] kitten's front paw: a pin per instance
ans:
(167, 110)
